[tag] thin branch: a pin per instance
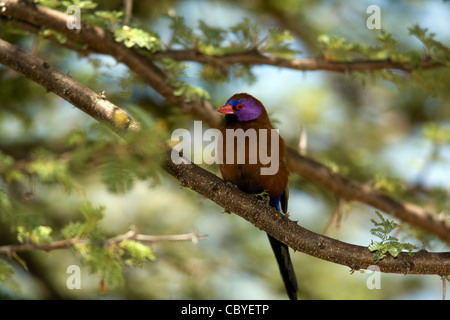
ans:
(444, 286)
(256, 212)
(132, 234)
(10, 250)
(128, 11)
(253, 57)
(336, 217)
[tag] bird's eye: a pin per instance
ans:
(239, 106)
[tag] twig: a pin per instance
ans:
(335, 217)
(305, 64)
(444, 286)
(128, 11)
(11, 250)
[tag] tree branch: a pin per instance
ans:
(353, 190)
(298, 238)
(253, 57)
(63, 85)
(98, 40)
(132, 234)
(248, 207)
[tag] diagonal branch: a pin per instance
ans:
(63, 85)
(300, 239)
(101, 41)
(247, 206)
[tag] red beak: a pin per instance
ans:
(226, 109)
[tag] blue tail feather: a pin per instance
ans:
(281, 252)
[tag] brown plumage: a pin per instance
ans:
(245, 112)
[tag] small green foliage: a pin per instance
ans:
(103, 257)
(436, 134)
(137, 37)
(54, 4)
(245, 33)
(57, 35)
(108, 18)
(63, 5)
(338, 48)
(211, 39)
(388, 244)
(82, 4)
(73, 230)
(39, 235)
(434, 49)
(389, 45)
(49, 168)
(121, 161)
(117, 173)
(92, 215)
(76, 138)
(104, 261)
(181, 33)
(389, 185)
(89, 228)
(136, 253)
(5, 203)
(7, 170)
(6, 271)
(277, 43)
(175, 71)
(190, 93)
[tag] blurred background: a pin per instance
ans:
(371, 127)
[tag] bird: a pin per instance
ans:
(243, 111)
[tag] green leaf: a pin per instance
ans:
(6, 271)
(182, 34)
(73, 230)
(54, 4)
(211, 36)
(389, 185)
(57, 35)
(82, 4)
(394, 251)
(5, 202)
(105, 261)
(436, 134)
(39, 235)
(138, 252)
(117, 174)
(91, 213)
(435, 49)
(278, 44)
(246, 34)
(111, 18)
(388, 244)
(134, 36)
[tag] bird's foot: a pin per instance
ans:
(264, 196)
